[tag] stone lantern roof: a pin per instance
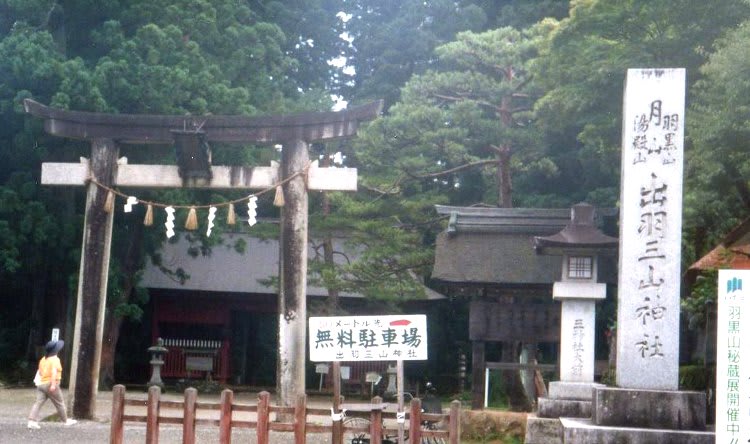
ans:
(580, 235)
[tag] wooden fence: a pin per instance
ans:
(287, 419)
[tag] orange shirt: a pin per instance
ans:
(46, 367)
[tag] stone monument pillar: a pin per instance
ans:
(580, 243)
(646, 405)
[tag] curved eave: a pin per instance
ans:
(557, 244)
(139, 129)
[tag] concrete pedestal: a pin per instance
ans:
(657, 409)
(565, 400)
(580, 431)
(631, 416)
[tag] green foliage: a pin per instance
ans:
(702, 293)
(498, 395)
(693, 377)
(450, 123)
(444, 68)
(583, 68)
(394, 39)
(718, 168)
(161, 57)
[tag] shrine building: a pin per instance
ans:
(487, 256)
(223, 318)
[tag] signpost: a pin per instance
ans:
(369, 338)
(648, 307)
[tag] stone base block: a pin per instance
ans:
(543, 430)
(583, 391)
(557, 408)
(577, 431)
(650, 409)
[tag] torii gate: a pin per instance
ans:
(107, 131)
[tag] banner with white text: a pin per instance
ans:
(368, 338)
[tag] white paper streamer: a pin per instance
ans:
(211, 217)
(252, 205)
(132, 200)
(170, 221)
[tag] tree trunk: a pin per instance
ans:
(504, 186)
(517, 398)
(130, 261)
(36, 333)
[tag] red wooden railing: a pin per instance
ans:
(288, 419)
(175, 361)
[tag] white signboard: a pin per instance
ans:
(733, 357)
(368, 338)
(55, 334)
(648, 312)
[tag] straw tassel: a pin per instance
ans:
(231, 217)
(278, 199)
(191, 223)
(149, 219)
(109, 202)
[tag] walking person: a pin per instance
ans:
(50, 371)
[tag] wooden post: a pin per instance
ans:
(400, 397)
(454, 424)
(225, 417)
(118, 410)
(300, 419)
(263, 419)
(152, 415)
(415, 420)
(336, 426)
(92, 283)
(188, 416)
(477, 375)
(293, 275)
(376, 421)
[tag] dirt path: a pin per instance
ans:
(15, 404)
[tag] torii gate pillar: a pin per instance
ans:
(293, 275)
(92, 282)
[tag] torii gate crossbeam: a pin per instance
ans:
(106, 132)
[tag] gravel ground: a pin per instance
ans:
(15, 404)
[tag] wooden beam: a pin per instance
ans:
(224, 177)
(145, 129)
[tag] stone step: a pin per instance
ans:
(569, 408)
(650, 409)
(582, 391)
(543, 430)
(579, 431)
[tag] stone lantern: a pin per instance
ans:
(580, 244)
(157, 361)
